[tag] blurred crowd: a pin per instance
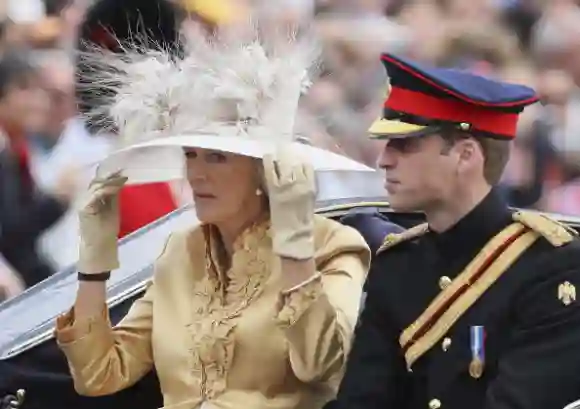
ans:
(45, 147)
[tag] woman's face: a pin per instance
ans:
(225, 186)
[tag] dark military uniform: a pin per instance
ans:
(483, 315)
(532, 334)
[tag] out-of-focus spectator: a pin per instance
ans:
(25, 212)
(555, 47)
(57, 77)
(208, 15)
(62, 147)
(71, 15)
(481, 50)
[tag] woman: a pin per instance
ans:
(256, 307)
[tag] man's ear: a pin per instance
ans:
(470, 153)
(467, 149)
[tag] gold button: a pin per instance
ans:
(446, 344)
(434, 404)
(444, 282)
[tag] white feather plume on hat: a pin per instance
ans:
(238, 92)
(235, 78)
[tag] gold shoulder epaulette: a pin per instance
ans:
(555, 232)
(393, 239)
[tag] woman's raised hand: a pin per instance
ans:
(99, 225)
(291, 187)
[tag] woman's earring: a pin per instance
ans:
(259, 192)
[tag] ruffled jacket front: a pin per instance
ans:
(229, 337)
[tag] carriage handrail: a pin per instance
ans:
(573, 405)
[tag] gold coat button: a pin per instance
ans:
(434, 404)
(444, 282)
(446, 344)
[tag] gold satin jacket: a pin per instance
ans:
(229, 339)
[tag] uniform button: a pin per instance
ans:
(434, 404)
(444, 282)
(446, 344)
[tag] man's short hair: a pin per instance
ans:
(16, 67)
(496, 153)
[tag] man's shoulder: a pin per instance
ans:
(544, 259)
(394, 265)
(407, 236)
(397, 252)
(558, 246)
(556, 233)
(371, 224)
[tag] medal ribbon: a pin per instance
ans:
(478, 343)
(477, 336)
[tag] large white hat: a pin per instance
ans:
(237, 92)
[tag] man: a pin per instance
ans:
(61, 149)
(477, 307)
(25, 212)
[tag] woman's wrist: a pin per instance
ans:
(104, 276)
(297, 272)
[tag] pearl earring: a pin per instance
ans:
(259, 192)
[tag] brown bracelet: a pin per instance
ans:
(94, 277)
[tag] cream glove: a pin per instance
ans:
(99, 225)
(292, 193)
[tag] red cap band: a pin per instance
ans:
(429, 107)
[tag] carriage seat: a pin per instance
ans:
(371, 224)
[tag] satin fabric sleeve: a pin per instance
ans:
(103, 359)
(318, 317)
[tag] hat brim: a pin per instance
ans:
(162, 160)
(390, 129)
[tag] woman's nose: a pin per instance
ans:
(198, 177)
(196, 170)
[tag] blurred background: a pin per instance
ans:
(533, 42)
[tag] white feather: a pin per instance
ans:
(237, 78)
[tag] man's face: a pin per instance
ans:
(25, 104)
(420, 172)
(58, 83)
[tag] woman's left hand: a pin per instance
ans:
(291, 187)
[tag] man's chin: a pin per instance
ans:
(401, 205)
